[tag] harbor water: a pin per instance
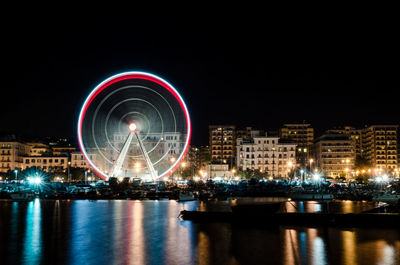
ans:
(150, 232)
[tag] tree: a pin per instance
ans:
(77, 173)
(10, 175)
(252, 174)
(186, 172)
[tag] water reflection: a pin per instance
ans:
(32, 242)
(149, 232)
(180, 237)
(291, 251)
(349, 247)
(135, 249)
(319, 253)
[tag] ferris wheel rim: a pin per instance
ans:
(126, 76)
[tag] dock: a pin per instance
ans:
(382, 220)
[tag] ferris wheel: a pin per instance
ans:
(136, 125)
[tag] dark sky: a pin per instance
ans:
(230, 70)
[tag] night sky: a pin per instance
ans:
(254, 72)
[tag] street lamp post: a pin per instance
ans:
(233, 173)
(289, 164)
(69, 173)
(16, 174)
(302, 176)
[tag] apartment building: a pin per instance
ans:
(266, 154)
(334, 154)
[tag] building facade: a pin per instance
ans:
(334, 155)
(39, 149)
(222, 144)
(11, 155)
(63, 150)
(244, 133)
(267, 155)
(219, 171)
(302, 134)
(79, 161)
(381, 146)
(356, 135)
(46, 163)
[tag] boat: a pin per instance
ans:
(386, 198)
(311, 196)
(185, 197)
(83, 192)
(385, 208)
(22, 195)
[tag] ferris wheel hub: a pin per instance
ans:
(132, 127)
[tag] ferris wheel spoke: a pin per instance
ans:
(121, 157)
(153, 173)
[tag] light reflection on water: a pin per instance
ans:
(33, 235)
(149, 232)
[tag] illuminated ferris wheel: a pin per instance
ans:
(135, 125)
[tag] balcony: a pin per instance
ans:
(337, 151)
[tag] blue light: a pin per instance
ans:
(35, 180)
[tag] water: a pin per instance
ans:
(149, 232)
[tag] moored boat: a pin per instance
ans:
(185, 197)
(386, 198)
(311, 196)
(22, 195)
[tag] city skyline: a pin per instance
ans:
(266, 135)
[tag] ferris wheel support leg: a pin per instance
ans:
(118, 165)
(153, 173)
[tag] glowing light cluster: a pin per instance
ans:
(35, 180)
(132, 127)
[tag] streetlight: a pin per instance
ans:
(86, 171)
(347, 171)
(302, 176)
(233, 171)
(69, 175)
(16, 174)
(289, 164)
(203, 173)
(385, 177)
(316, 177)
